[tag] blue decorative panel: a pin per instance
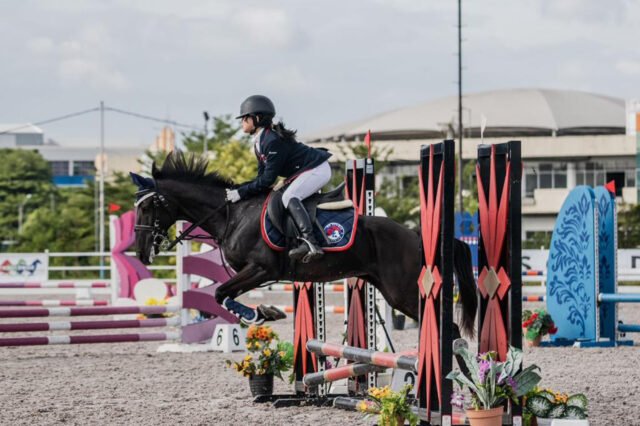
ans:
(571, 268)
(607, 249)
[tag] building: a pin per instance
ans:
(568, 138)
(74, 166)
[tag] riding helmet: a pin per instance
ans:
(257, 104)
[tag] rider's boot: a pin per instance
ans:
(308, 249)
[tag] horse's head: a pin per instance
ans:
(180, 190)
(154, 217)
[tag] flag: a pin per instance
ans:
(611, 187)
(113, 207)
(367, 142)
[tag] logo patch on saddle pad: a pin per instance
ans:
(334, 232)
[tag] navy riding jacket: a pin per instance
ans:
(279, 157)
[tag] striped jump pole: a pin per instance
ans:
(380, 359)
(330, 309)
(56, 285)
(99, 338)
(90, 311)
(336, 288)
(89, 325)
(534, 298)
(339, 373)
(54, 303)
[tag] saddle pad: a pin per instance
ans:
(339, 226)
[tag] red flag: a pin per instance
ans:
(611, 187)
(113, 207)
(367, 142)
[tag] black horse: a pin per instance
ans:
(384, 253)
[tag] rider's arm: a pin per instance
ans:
(267, 174)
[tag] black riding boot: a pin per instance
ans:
(308, 249)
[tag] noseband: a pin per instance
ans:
(160, 237)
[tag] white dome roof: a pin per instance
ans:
(508, 113)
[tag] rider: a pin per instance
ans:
(279, 154)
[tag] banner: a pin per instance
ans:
(24, 267)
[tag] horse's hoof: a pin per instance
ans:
(270, 313)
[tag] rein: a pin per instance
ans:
(160, 237)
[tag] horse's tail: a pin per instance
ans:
(462, 264)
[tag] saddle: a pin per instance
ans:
(280, 219)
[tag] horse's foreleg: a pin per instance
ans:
(249, 277)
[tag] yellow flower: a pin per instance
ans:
(281, 353)
(362, 406)
(247, 358)
(257, 345)
(267, 352)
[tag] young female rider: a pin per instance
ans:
(279, 154)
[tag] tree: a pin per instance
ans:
(22, 172)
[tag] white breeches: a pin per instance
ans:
(308, 183)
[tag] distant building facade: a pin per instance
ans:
(70, 166)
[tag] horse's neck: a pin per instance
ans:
(196, 205)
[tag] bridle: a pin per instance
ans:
(160, 237)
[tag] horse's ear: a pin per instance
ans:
(154, 169)
(142, 182)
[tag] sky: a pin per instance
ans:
(323, 63)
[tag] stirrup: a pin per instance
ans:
(313, 253)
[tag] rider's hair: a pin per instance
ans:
(283, 132)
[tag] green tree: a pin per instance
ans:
(25, 179)
(225, 130)
(628, 226)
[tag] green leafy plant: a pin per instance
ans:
(392, 408)
(491, 382)
(537, 323)
(547, 403)
(267, 354)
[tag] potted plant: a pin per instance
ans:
(268, 357)
(547, 405)
(491, 384)
(537, 324)
(391, 407)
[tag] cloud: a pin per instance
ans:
(628, 66)
(97, 75)
(40, 45)
(288, 79)
(265, 27)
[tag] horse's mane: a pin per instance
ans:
(189, 168)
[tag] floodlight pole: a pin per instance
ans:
(460, 181)
(101, 196)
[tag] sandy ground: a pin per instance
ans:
(126, 384)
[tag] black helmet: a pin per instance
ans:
(257, 104)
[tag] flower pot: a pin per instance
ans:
(535, 342)
(261, 384)
(492, 417)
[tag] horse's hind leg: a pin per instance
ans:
(248, 278)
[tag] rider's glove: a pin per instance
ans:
(233, 195)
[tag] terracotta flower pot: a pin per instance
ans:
(492, 417)
(261, 384)
(535, 342)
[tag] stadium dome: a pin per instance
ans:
(516, 112)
